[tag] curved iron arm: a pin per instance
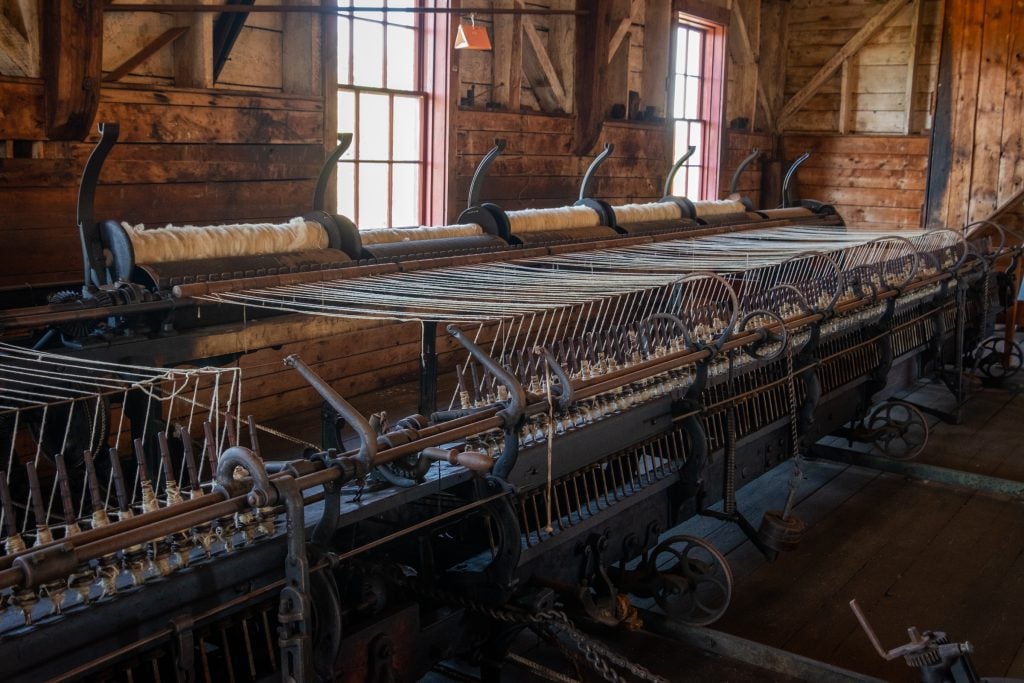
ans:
(789, 176)
(749, 159)
(88, 230)
(588, 177)
(565, 390)
(367, 437)
(262, 492)
(667, 190)
(517, 395)
(481, 171)
(344, 142)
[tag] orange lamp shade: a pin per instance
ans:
(472, 37)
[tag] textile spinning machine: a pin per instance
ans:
(136, 279)
(607, 389)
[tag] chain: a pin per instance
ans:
(794, 434)
(986, 295)
(729, 502)
(794, 429)
(600, 657)
(540, 670)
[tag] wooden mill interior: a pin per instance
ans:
(511, 340)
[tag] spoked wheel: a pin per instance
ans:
(998, 360)
(693, 581)
(901, 432)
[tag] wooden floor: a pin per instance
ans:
(911, 553)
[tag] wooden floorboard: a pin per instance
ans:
(912, 553)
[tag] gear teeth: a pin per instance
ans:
(923, 659)
(64, 296)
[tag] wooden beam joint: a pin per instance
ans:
(72, 66)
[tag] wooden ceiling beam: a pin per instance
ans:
(852, 46)
(145, 53)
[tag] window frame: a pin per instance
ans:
(712, 98)
(431, 54)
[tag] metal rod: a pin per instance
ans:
(315, 9)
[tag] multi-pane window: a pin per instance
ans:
(381, 101)
(686, 107)
(696, 105)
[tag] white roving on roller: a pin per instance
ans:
(561, 218)
(190, 242)
(642, 213)
(370, 236)
(720, 207)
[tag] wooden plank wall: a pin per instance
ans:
(877, 79)
(248, 147)
(980, 163)
(875, 181)
(184, 156)
(538, 168)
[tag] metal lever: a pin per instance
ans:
(517, 395)
(481, 171)
(887, 655)
(588, 177)
(749, 159)
(92, 248)
(789, 177)
(667, 190)
(367, 437)
(344, 142)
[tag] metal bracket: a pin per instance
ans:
(344, 142)
(790, 172)
(588, 177)
(262, 492)
(667, 189)
(480, 173)
(749, 159)
(88, 229)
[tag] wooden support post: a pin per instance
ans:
(845, 97)
(193, 53)
(515, 65)
(329, 86)
(501, 58)
(593, 36)
(562, 48)
(72, 66)
(915, 53)
(556, 98)
(300, 53)
(750, 57)
(657, 48)
(852, 46)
